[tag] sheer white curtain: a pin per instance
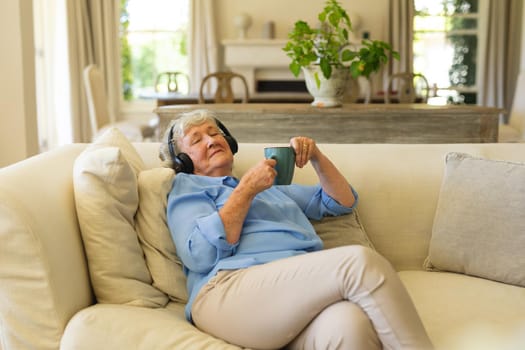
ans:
(93, 38)
(51, 65)
(204, 47)
(401, 35)
(501, 54)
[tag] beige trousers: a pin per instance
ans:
(342, 298)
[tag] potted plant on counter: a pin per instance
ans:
(328, 58)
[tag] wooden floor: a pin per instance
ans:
(351, 123)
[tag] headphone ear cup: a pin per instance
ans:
(183, 163)
(234, 147)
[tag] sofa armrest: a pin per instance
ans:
(44, 278)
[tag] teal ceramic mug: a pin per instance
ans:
(285, 157)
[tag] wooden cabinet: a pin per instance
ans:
(352, 123)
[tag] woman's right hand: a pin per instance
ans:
(260, 177)
(257, 179)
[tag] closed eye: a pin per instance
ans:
(195, 140)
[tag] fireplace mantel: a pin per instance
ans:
(258, 60)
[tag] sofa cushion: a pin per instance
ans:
(336, 231)
(106, 326)
(159, 249)
(463, 312)
(106, 198)
(478, 227)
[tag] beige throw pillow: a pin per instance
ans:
(106, 198)
(479, 227)
(336, 231)
(161, 257)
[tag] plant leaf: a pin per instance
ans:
(317, 80)
(348, 55)
(326, 67)
(295, 68)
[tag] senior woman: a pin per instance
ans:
(256, 273)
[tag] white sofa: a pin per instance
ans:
(46, 297)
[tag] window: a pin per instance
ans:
(153, 39)
(445, 48)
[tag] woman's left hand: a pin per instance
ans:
(332, 181)
(305, 150)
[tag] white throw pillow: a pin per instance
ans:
(106, 198)
(479, 228)
(151, 223)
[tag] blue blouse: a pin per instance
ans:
(275, 227)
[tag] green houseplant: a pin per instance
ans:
(326, 53)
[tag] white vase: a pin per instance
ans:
(242, 22)
(330, 92)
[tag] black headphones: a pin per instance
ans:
(183, 163)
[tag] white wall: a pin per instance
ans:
(374, 15)
(18, 131)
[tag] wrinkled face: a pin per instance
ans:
(208, 149)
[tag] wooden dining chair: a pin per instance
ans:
(224, 91)
(171, 82)
(408, 88)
